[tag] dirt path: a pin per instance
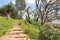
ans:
(16, 33)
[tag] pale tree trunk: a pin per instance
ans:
(8, 16)
(19, 15)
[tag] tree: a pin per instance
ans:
(47, 10)
(20, 4)
(2, 12)
(14, 13)
(8, 9)
(28, 15)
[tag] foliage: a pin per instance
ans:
(14, 13)
(20, 4)
(35, 23)
(28, 19)
(49, 32)
(8, 9)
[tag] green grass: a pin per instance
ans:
(30, 29)
(5, 25)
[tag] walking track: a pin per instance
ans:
(16, 33)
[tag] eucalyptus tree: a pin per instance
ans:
(28, 15)
(7, 10)
(47, 10)
(20, 4)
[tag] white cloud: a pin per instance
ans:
(13, 1)
(30, 1)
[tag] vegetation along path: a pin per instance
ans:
(16, 33)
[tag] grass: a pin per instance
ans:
(5, 25)
(30, 29)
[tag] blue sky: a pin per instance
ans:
(28, 2)
(4, 2)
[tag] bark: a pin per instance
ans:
(8, 16)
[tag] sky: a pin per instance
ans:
(28, 2)
(4, 2)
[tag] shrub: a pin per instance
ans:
(49, 32)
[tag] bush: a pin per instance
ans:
(49, 32)
(35, 23)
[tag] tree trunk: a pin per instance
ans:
(19, 15)
(8, 16)
(42, 20)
